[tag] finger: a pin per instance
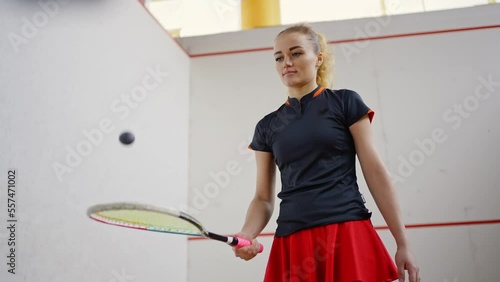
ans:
(247, 256)
(240, 251)
(401, 272)
(237, 253)
(255, 247)
(245, 253)
(413, 274)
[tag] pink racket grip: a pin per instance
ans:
(244, 242)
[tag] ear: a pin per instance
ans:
(319, 59)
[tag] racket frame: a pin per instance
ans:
(93, 213)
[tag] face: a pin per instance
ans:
(296, 61)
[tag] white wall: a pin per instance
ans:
(67, 76)
(63, 79)
(413, 83)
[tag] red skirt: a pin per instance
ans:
(341, 252)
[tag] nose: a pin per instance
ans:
(287, 61)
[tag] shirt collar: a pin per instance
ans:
(313, 94)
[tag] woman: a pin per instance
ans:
(324, 230)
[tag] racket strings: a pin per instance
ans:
(147, 220)
(119, 221)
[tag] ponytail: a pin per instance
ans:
(324, 75)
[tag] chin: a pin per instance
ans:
(292, 84)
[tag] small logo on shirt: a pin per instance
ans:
(322, 111)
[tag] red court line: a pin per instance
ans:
(354, 40)
(231, 52)
(443, 224)
(409, 226)
(415, 34)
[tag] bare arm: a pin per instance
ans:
(384, 193)
(262, 205)
(378, 180)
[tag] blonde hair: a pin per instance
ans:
(324, 75)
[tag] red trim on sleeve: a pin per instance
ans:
(370, 114)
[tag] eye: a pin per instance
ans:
(278, 59)
(296, 54)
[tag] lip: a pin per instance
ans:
(288, 72)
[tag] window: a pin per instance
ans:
(199, 17)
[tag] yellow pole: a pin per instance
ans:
(383, 7)
(260, 13)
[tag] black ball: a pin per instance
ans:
(127, 138)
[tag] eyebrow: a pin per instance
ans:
(291, 48)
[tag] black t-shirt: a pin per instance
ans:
(314, 151)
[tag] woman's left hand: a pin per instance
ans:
(405, 261)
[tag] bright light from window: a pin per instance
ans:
(199, 17)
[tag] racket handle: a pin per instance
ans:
(242, 242)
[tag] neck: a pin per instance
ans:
(300, 91)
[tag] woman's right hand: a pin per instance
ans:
(247, 252)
